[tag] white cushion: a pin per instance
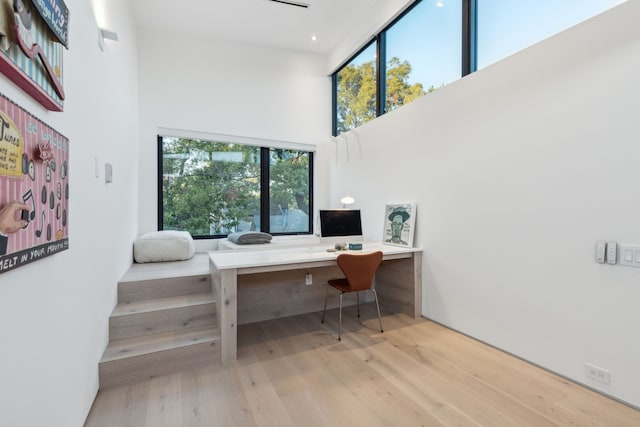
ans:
(166, 245)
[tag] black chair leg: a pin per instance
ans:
(358, 302)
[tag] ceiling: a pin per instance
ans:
(257, 21)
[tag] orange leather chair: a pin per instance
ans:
(359, 270)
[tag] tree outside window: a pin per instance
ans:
(215, 188)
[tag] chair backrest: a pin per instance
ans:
(359, 269)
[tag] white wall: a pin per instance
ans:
(54, 312)
(518, 170)
(364, 30)
(221, 87)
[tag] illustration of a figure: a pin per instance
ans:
(25, 37)
(9, 223)
(397, 218)
(23, 21)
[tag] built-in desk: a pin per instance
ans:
(251, 286)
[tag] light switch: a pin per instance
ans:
(601, 246)
(630, 255)
(108, 173)
(612, 249)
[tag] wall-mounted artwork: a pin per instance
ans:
(34, 188)
(32, 36)
(399, 224)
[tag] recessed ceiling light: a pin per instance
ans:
(314, 38)
(439, 4)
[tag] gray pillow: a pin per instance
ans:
(249, 237)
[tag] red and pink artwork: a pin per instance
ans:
(34, 188)
(33, 35)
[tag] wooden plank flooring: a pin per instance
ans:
(294, 372)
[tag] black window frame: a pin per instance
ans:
(265, 206)
(469, 60)
(334, 82)
(469, 55)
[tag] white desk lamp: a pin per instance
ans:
(347, 200)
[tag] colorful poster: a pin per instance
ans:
(56, 15)
(34, 188)
(31, 51)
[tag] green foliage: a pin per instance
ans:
(356, 97)
(209, 187)
(399, 91)
(289, 174)
(213, 187)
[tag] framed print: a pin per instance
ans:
(34, 188)
(399, 224)
(33, 35)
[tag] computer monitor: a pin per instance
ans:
(340, 223)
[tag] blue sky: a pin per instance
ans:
(429, 36)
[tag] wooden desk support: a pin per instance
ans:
(399, 285)
(225, 284)
(256, 286)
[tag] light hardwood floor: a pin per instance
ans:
(294, 372)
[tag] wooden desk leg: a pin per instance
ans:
(417, 284)
(229, 316)
(399, 285)
(225, 284)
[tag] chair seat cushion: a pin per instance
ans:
(340, 284)
(165, 245)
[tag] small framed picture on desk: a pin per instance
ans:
(399, 224)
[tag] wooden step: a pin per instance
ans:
(139, 358)
(165, 279)
(163, 288)
(140, 318)
(164, 322)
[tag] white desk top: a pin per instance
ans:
(224, 260)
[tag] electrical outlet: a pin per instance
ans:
(598, 374)
(309, 279)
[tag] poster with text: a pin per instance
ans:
(34, 188)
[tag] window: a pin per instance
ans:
(423, 51)
(505, 27)
(434, 42)
(289, 191)
(356, 90)
(416, 54)
(213, 188)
